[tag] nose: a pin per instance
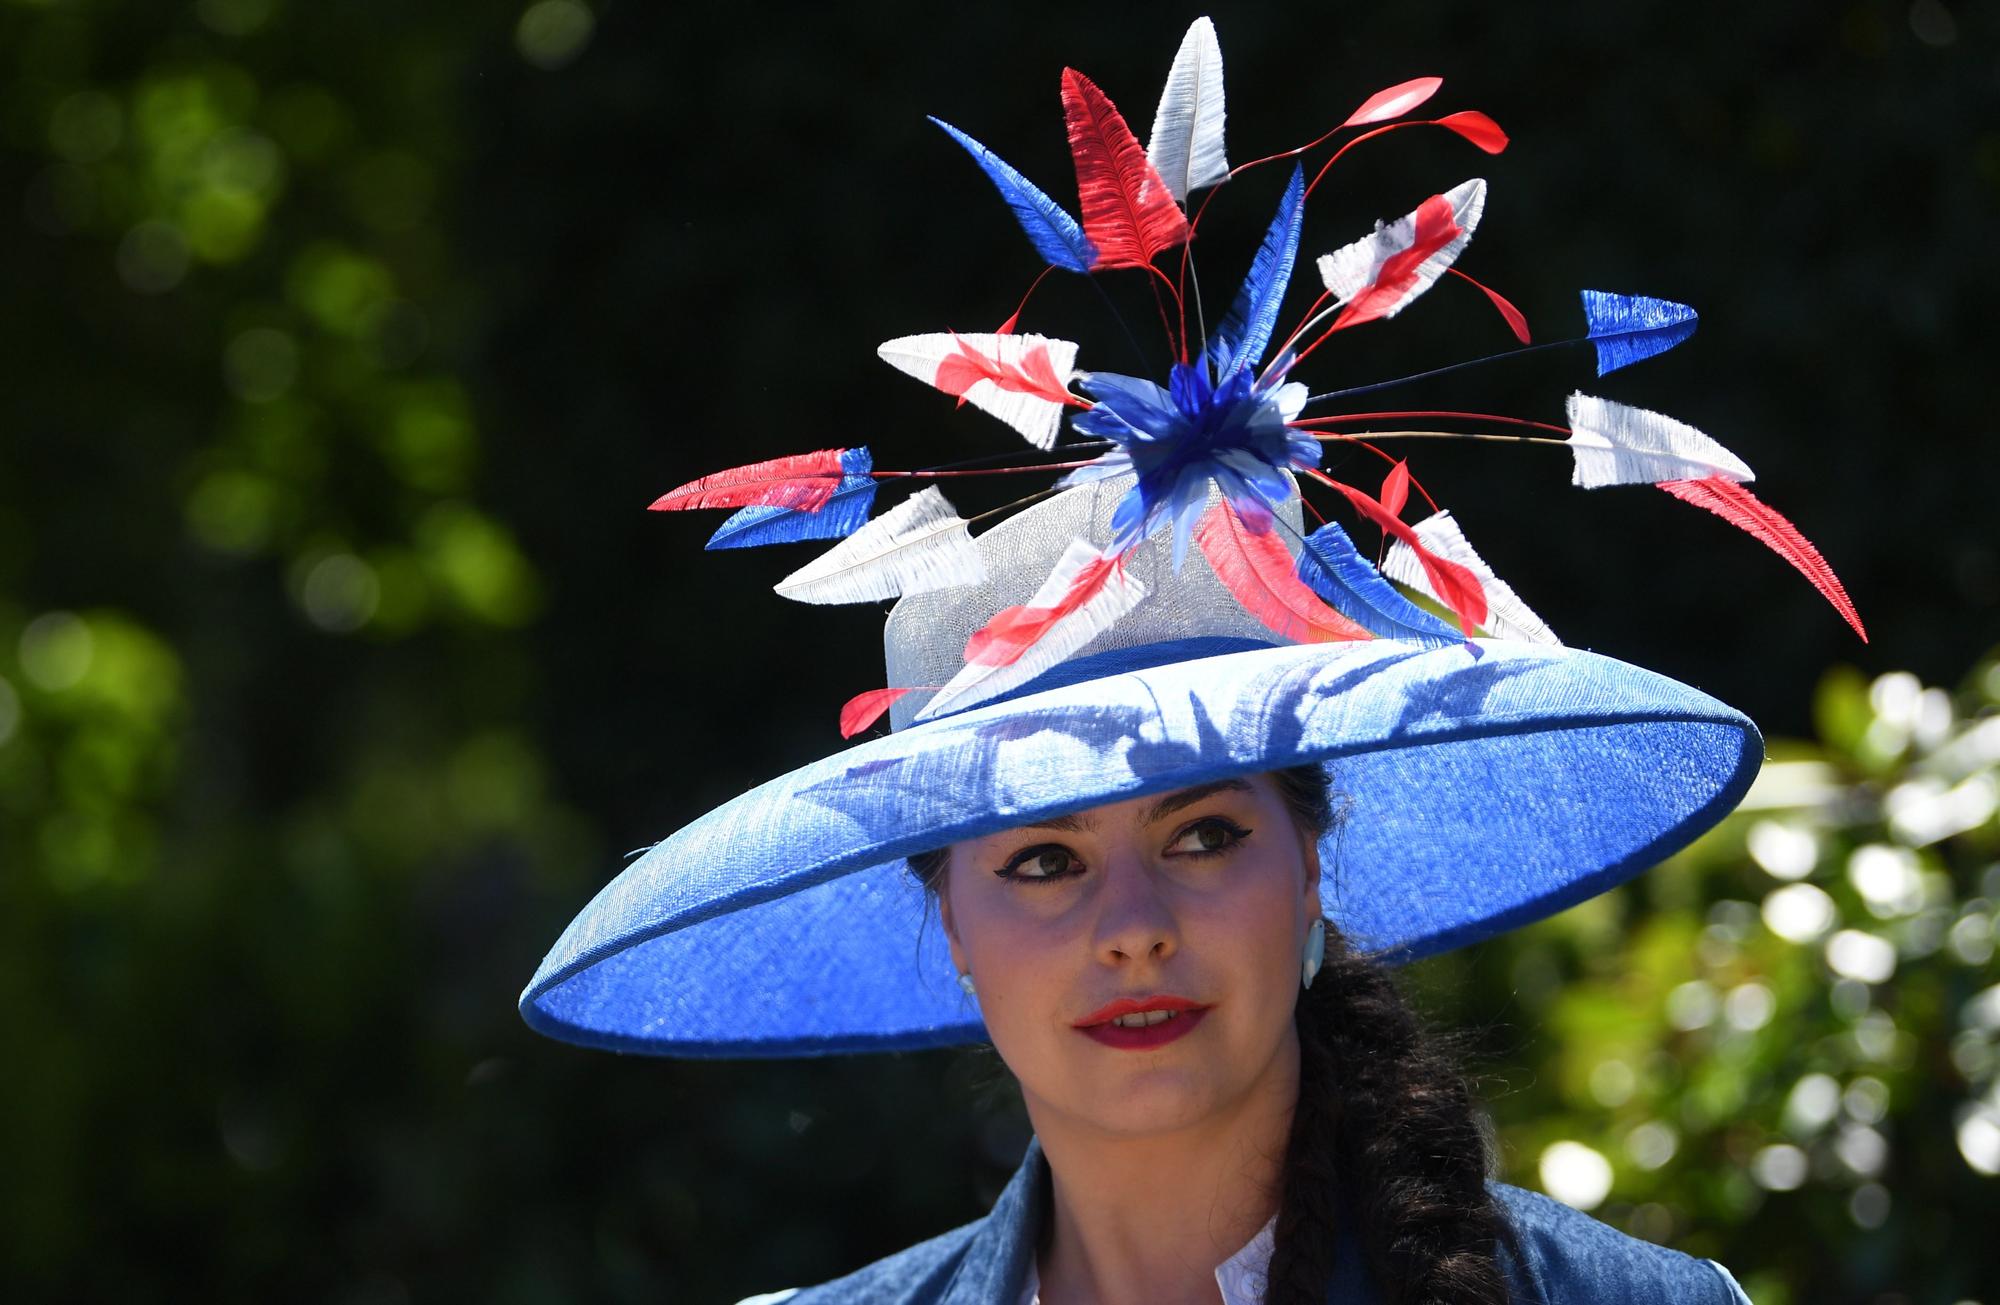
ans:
(1134, 919)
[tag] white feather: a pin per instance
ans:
(1120, 594)
(1617, 444)
(1035, 417)
(915, 547)
(1349, 270)
(1186, 148)
(1507, 617)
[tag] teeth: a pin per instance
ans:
(1144, 1019)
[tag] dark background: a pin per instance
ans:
(346, 344)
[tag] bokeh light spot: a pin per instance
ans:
(1779, 1167)
(86, 126)
(474, 560)
(1575, 1174)
(260, 364)
(56, 649)
(234, 17)
(1979, 1139)
(339, 593)
(232, 511)
(1868, 1206)
(10, 711)
(1857, 955)
(1799, 913)
(1652, 1144)
(1814, 1101)
(1749, 1007)
(1932, 23)
(552, 33)
(1612, 1082)
(153, 257)
(1785, 851)
(342, 290)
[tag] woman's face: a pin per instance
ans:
(1193, 903)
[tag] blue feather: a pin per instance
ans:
(840, 516)
(1054, 233)
(1332, 568)
(1631, 328)
(1243, 336)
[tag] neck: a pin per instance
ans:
(1148, 1217)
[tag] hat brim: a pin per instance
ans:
(1481, 790)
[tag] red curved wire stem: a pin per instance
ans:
(1387, 457)
(1007, 327)
(1366, 135)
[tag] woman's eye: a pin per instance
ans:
(1040, 863)
(1207, 837)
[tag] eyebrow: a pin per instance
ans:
(1079, 822)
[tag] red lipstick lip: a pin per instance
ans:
(1147, 1037)
(1134, 1006)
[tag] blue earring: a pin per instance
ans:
(965, 984)
(1315, 953)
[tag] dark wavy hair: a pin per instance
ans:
(1384, 1132)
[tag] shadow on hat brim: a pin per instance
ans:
(1481, 791)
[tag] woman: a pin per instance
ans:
(1137, 848)
(1317, 1145)
(1194, 773)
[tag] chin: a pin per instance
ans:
(1137, 1100)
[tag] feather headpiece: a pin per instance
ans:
(1210, 450)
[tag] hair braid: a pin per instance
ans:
(1386, 1121)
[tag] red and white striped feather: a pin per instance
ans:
(1021, 379)
(1507, 617)
(1355, 273)
(1082, 598)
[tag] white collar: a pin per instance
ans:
(1241, 1277)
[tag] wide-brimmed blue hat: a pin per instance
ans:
(1483, 786)
(1166, 620)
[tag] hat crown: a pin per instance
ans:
(924, 640)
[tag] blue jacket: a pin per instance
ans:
(1568, 1258)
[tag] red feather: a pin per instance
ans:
(1477, 128)
(1739, 507)
(1264, 576)
(1516, 319)
(1035, 374)
(1455, 585)
(804, 481)
(1437, 226)
(864, 709)
(1394, 102)
(1396, 488)
(1014, 630)
(1128, 212)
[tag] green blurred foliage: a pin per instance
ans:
(345, 343)
(1781, 1049)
